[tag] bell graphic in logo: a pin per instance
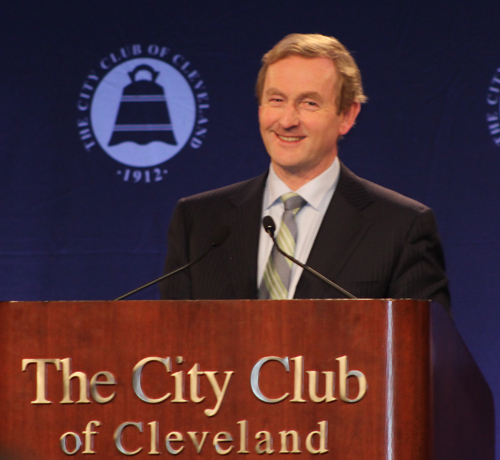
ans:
(143, 112)
(143, 116)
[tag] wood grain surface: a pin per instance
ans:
(389, 342)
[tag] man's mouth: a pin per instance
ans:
(290, 138)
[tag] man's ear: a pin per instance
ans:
(349, 118)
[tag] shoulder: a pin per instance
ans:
(218, 203)
(362, 193)
(233, 192)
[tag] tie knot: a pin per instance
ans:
(293, 201)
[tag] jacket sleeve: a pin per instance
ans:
(420, 271)
(177, 286)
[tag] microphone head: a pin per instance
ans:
(269, 225)
(220, 235)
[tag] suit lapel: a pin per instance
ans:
(244, 220)
(343, 227)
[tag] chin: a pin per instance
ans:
(292, 167)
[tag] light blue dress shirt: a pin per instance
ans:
(318, 194)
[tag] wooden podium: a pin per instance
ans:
(339, 379)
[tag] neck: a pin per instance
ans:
(296, 177)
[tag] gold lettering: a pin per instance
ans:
(137, 375)
(255, 376)
(243, 437)
(194, 384)
(153, 450)
(64, 447)
(198, 444)
(323, 437)
(329, 386)
(223, 436)
(118, 437)
(219, 394)
(298, 379)
(266, 445)
(89, 439)
(94, 382)
(295, 442)
(179, 387)
(41, 378)
(344, 374)
(67, 377)
(174, 436)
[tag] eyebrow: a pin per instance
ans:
(305, 95)
(311, 95)
(274, 91)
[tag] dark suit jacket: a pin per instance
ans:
(373, 242)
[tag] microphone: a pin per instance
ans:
(219, 236)
(270, 228)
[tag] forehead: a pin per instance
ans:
(299, 74)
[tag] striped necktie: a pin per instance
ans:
(278, 272)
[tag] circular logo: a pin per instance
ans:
(493, 100)
(143, 112)
(143, 107)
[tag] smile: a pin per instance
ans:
(290, 138)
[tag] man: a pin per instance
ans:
(371, 241)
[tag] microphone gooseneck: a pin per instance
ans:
(219, 236)
(270, 228)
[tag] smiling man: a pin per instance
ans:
(299, 117)
(371, 241)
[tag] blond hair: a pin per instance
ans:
(312, 46)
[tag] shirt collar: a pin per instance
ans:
(314, 191)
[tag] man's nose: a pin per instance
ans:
(289, 117)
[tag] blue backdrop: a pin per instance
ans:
(81, 219)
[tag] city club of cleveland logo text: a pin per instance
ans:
(142, 106)
(493, 99)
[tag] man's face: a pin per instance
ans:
(298, 116)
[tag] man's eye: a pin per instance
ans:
(311, 104)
